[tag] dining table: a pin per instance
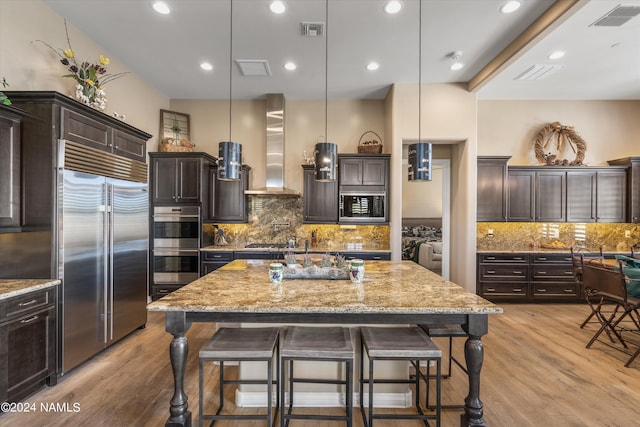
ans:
(392, 292)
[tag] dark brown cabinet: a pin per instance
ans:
(363, 169)
(633, 186)
(28, 342)
(522, 187)
(10, 168)
(537, 195)
(596, 195)
(320, 199)
(213, 260)
(492, 188)
(503, 276)
(180, 178)
(228, 201)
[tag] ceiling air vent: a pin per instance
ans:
(539, 72)
(618, 16)
(254, 67)
(312, 29)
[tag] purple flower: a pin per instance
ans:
(64, 61)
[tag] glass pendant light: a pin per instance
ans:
(229, 152)
(326, 153)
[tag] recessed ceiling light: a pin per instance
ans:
(206, 66)
(510, 6)
(456, 66)
(393, 6)
(161, 7)
(277, 7)
(372, 66)
(556, 55)
(290, 66)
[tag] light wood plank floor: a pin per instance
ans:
(537, 372)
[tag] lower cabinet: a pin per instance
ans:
(367, 256)
(213, 260)
(27, 343)
(522, 277)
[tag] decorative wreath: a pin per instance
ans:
(559, 133)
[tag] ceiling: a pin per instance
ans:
(600, 62)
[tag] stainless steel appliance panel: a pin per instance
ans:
(82, 245)
(129, 240)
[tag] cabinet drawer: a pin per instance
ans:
(552, 272)
(367, 256)
(503, 258)
(17, 306)
(504, 272)
(541, 290)
(216, 256)
(158, 291)
(564, 258)
(83, 130)
(505, 289)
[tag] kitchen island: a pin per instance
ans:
(393, 292)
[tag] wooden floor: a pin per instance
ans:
(537, 372)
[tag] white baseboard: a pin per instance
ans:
(256, 399)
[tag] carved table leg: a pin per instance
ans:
(177, 325)
(474, 356)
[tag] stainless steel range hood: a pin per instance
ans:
(275, 151)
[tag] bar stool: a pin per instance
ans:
(326, 344)
(398, 343)
(242, 345)
(446, 331)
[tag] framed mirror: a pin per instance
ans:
(174, 125)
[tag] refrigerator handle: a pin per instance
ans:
(109, 287)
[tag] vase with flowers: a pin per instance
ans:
(90, 77)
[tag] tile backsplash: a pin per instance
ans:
(616, 237)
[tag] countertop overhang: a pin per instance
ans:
(14, 287)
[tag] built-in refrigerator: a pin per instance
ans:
(102, 239)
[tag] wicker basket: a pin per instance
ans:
(172, 146)
(374, 146)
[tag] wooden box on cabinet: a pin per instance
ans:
(320, 199)
(28, 341)
(10, 167)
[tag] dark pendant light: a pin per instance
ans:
(229, 152)
(420, 153)
(326, 153)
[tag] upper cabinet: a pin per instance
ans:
(10, 201)
(180, 178)
(320, 199)
(492, 188)
(633, 186)
(228, 202)
(363, 169)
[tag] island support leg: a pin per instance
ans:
(177, 325)
(474, 355)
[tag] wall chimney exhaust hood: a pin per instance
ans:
(275, 151)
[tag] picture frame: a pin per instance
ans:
(175, 125)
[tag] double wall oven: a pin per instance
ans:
(176, 247)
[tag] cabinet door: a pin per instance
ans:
(164, 180)
(320, 199)
(229, 203)
(551, 187)
(521, 195)
(611, 196)
(350, 171)
(130, 146)
(81, 129)
(492, 190)
(581, 195)
(188, 180)
(10, 200)
(374, 172)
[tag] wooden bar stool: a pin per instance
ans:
(325, 344)
(408, 343)
(242, 345)
(446, 331)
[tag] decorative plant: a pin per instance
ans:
(290, 258)
(326, 260)
(307, 261)
(89, 76)
(340, 263)
(3, 98)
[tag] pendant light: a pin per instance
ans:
(326, 153)
(420, 153)
(229, 152)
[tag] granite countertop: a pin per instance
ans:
(317, 249)
(541, 251)
(401, 287)
(14, 287)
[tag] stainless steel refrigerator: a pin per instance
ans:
(102, 257)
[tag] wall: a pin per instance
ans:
(33, 66)
(508, 127)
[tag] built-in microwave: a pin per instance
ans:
(362, 207)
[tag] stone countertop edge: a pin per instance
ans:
(233, 248)
(14, 287)
(542, 251)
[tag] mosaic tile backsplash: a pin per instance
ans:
(526, 236)
(276, 220)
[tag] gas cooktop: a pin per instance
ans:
(266, 245)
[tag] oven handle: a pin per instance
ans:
(176, 218)
(174, 252)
